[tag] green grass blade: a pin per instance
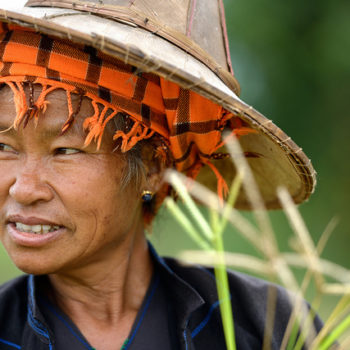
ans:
(185, 223)
(338, 313)
(231, 200)
(307, 327)
(335, 334)
(224, 296)
(190, 204)
(293, 335)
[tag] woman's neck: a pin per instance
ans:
(106, 297)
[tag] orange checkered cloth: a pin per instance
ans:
(189, 125)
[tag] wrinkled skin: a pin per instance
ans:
(52, 177)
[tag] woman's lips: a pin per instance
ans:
(39, 234)
(30, 220)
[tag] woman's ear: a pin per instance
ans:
(154, 169)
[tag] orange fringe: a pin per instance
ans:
(20, 100)
(129, 140)
(90, 122)
(238, 130)
(24, 112)
(94, 125)
(222, 188)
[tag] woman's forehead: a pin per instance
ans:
(50, 122)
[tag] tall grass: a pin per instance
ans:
(207, 233)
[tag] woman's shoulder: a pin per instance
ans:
(13, 290)
(13, 306)
(249, 294)
(252, 300)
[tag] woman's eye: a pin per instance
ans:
(66, 151)
(6, 148)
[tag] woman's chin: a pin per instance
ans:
(34, 264)
(35, 269)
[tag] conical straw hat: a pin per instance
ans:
(185, 42)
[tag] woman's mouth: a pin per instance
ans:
(36, 229)
(36, 235)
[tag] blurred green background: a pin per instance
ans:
(292, 61)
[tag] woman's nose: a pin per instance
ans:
(30, 185)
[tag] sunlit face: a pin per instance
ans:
(70, 195)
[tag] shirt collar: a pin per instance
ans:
(34, 317)
(185, 297)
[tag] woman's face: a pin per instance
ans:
(61, 205)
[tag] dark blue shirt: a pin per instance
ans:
(186, 316)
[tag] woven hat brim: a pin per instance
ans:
(277, 160)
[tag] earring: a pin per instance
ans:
(147, 196)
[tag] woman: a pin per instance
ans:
(91, 116)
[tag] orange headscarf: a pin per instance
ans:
(189, 124)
